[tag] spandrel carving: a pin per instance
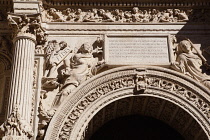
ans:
(190, 63)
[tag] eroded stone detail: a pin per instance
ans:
(15, 123)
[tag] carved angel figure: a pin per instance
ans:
(190, 63)
(77, 71)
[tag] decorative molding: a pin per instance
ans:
(160, 82)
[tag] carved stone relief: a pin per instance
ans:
(66, 69)
(189, 61)
(121, 80)
(117, 15)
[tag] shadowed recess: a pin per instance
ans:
(136, 127)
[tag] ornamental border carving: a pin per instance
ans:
(158, 82)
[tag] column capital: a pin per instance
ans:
(27, 25)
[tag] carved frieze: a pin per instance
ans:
(135, 15)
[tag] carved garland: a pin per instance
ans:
(129, 81)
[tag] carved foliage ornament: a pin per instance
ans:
(22, 24)
(139, 82)
(16, 123)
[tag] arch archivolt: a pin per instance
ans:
(73, 116)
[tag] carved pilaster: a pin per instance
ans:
(27, 33)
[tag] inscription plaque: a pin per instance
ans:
(134, 50)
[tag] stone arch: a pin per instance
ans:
(73, 116)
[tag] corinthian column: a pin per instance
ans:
(17, 125)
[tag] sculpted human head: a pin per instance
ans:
(185, 46)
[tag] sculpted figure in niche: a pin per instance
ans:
(78, 69)
(190, 63)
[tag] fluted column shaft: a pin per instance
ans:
(22, 77)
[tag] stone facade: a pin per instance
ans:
(67, 68)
